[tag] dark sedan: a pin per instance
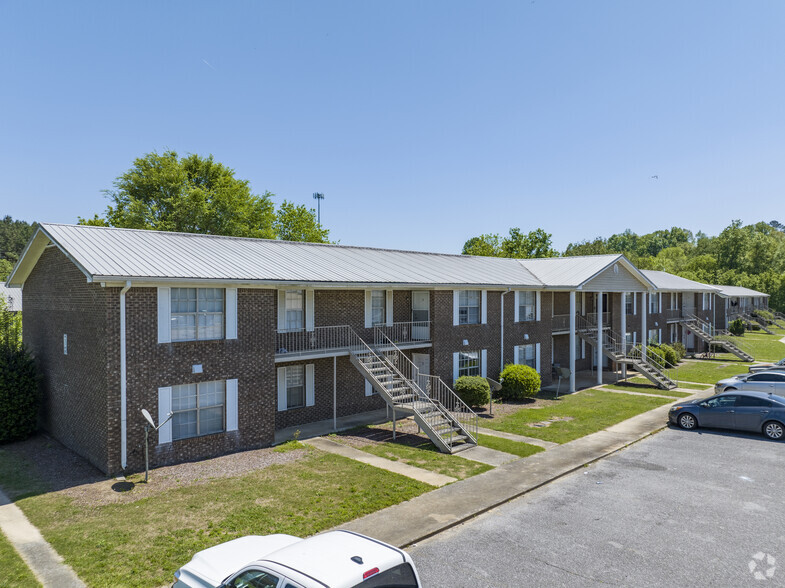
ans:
(765, 367)
(742, 411)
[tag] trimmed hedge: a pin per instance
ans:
(18, 394)
(736, 327)
(670, 354)
(473, 390)
(680, 349)
(519, 382)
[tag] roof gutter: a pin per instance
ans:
(123, 390)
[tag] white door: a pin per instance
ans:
(422, 362)
(421, 315)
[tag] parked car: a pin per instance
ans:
(765, 367)
(773, 382)
(742, 411)
(338, 559)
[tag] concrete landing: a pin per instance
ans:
(326, 427)
(488, 456)
(397, 467)
(519, 438)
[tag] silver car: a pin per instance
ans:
(770, 382)
(766, 367)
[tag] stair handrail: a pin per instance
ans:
(719, 334)
(610, 339)
(437, 391)
(653, 362)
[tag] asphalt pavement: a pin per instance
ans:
(679, 508)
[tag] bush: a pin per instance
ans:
(519, 382)
(18, 394)
(670, 354)
(473, 390)
(680, 349)
(737, 327)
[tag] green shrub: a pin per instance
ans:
(680, 349)
(670, 355)
(18, 394)
(764, 314)
(519, 382)
(737, 327)
(473, 390)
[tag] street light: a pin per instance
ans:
(318, 197)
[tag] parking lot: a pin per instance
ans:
(697, 508)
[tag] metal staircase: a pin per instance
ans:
(760, 322)
(447, 421)
(615, 348)
(722, 338)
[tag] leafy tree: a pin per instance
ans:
(14, 235)
(297, 223)
(536, 243)
(18, 380)
(5, 269)
(489, 245)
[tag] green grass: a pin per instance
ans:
(639, 380)
(764, 347)
(633, 387)
(591, 411)
(709, 371)
(507, 446)
(427, 457)
(15, 572)
(143, 543)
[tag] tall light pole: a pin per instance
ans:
(318, 197)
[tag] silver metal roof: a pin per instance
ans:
(737, 291)
(108, 254)
(571, 272)
(669, 282)
(12, 296)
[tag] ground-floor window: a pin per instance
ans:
(655, 336)
(468, 363)
(199, 409)
(674, 333)
(527, 355)
(295, 386)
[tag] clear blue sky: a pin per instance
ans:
(423, 123)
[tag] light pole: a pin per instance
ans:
(318, 197)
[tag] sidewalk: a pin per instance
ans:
(433, 512)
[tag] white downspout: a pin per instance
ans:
(123, 424)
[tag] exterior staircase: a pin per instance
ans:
(447, 421)
(705, 332)
(780, 318)
(614, 348)
(761, 322)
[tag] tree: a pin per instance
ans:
(191, 194)
(536, 243)
(14, 235)
(5, 269)
(297, 223)
(485, 245)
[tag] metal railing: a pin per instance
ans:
(717, 334)
(591, 317)
(401, 333)
(672, 314)
(560, 322)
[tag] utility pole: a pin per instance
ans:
(318, 197)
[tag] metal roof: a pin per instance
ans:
(107, 254)
(669, 282)
(737, 291)
(572, 272)
(13, 297)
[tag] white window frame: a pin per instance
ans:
(283, 386)
(294, 310)
(654, 301)
(196, 314)
(200, 386)
(378, 307)
(526, 307)
(629, 300)
(464, 361)
(466, 303)
(522, 351)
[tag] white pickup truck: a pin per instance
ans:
(336, 559)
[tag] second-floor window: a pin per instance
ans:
(654, 303)
(527, 306)
(295, 310)
(378, 307)
(469, 307)
(629, 302)
(197, 313)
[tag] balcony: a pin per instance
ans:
(561, 322)
(672, 314)
(338, 340)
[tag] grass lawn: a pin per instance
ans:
(765, 347)
(507, 446)
(143, 542)
(635, 387)
(427, 457)
(15, 572)
(639, 380)
(589, 411)
(710, 370)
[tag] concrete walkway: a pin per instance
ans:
(488, 456)
(433, 512)
(326, 427)
(419, 474)
(634, 393)
(519, 438)
(45, 563)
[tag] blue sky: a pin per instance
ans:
(423, 123)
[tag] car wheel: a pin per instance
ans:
(687, 421)
(774, 430)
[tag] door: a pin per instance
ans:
(718, 412)
(751, 412)
(421, 315)
(422, 361)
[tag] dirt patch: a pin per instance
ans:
(62, 471)
(549, 422)
(407, 433)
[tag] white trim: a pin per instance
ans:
(484, 307)
(538, 303)
(282, 388)
(309, 318)
(164, 315)
(537, 357)
(231, 405)
(583, 303)
(455, 360)
(455, 307)
(634, 303)
(368, 311)
(231, 313)
(484, 362)
(164, 408)
(388, 304)
(281, 310)
(516, 318)
(516, 353)
(368, 388)
(310, 396)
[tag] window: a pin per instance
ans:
(254, 579)
(628, 302)
(654, 336)
(674, 333)
(720, 402)
(378, 307)
(401, 576)
(527, 306)
(753, 401)
(295, 387)
(654, 304)
(527, 355)
(706, 301)
(197, 313)
(468, 363)
(294, 310)
(674, 301)
(198, 409)
(766, 378)
(469, 307)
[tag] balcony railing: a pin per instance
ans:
(560, 322)
(299, 342)
(672, 314)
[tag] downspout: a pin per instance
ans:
(123, 424)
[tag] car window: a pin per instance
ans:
(401, 576)
(758, 378)
(254, 579)
(752, 401)
(721, 401)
